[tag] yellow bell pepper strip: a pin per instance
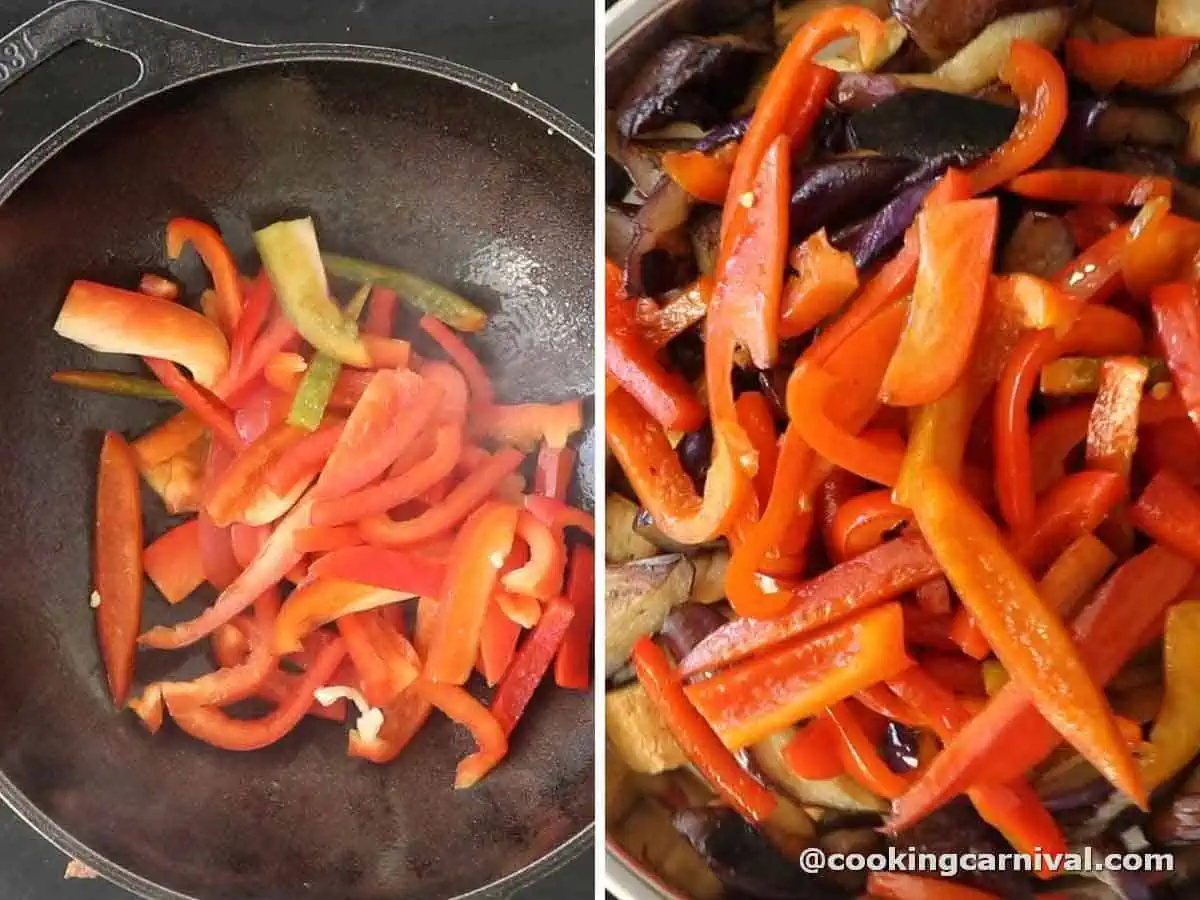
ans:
(793, 85)
(640, 446)
(117, 598)
(755, 698)
(1070, 376)
(1175, 737)
(1113, 425)
(321, 601)
(110, 320)
(957, 241)
(1176, 309)
(531, 664)
(480, 549)
(1009, 736)
(1025, 634)
(696, 737)
(430, 298)
(825, 279)
(119, 384)
(227, 282)
(900, 886)
(1041, 85)
(292, 260)
(1090, 186)
(1139, 62)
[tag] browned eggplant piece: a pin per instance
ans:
(1096, 122)
(638, 733)
(723, 134)
(856, 91)
(1041, 244)
(695, 454)
(693, 79)
(921, 125)
(660, 257)
(939, 27)
(687, 625)
(704, 229)
(1152, 161)
(830, 194)
(898, 748)
(745, 861)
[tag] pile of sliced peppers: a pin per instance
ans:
(358, 509)
(963, 532)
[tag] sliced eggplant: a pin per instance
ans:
(687, 625)
(830, 194)
(704, 230)
(622, 543)
(734, 130)
(650, 837)
(1177, 17)
(868, 239)
(976, 65)
(841, 793)
(620, 788)
(708, 585)
(920, 125)
(637, 597)
(693, 79)
(660, 257)
(619, 231)
(1041, 244)
(638, 733)
(695, 454)
(857, 91)
(940, 27)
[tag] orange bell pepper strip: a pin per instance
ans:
(1090, 186)
(572, 665)
(1075, 506)
(1027, 636)
(883, 703)
(703, 175)
(957, 241)
(402, 719)
(480, 549)
(966, 634)
(391, 492)
(469, 712)
(901, 886)
(233, 490)
(825, 279)
(321, 601)
(542, 576)
(838, 489)
(325, 538)
(1176, 309)
(213, 726)
(217, 259)
(1141, 62)
(525, 424)
(1077, 570)
(863, 522)
(555, 469)
(208, 408)
(497, 643)
(558, 514)
(117, 569)
(747, 702)
(632, 362)
(383, 531)
(696, 737)
(812, 752)
(1095, 274)
(385, 662)
(172, 562)
(1160, 248)
(758, 422)
(794, 87)
(1009, 736)
(1113, 426)
(860, 759)
(482, 394)
(1041, 85)
(531, 664)
(1169, 511)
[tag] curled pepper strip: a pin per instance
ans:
(219, 261)
(1090, 186)
(1041, 85)
(1144, 62)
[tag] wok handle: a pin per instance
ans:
(165, 54)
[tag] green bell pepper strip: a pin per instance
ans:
(1175, 737)
(432, 299)
(120, 384)
(312, 397)
(292, 259)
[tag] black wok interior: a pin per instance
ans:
(396, 166)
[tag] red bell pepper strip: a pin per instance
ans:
(455, 390)
(751, 700)
(383, 531)
(497, 643)
(1176, 309)
(1173, 444)
(957, 241)
(1027, 637)
(386, 663)
(954, 672)
(1009, 737)
(117, 597)
(1075, 506)
(525, 424)
(466, 710)
(555, 468)
(277, 557)
(172, 562)
(965, 633)
(1041, 85)
(381, 312)
(696, 736)
(531, 663)
(480, 549)
(1140, 62)
(278, 336)
(1011, 442)
(703, 175)
(208, 408)
(402, 719)
(1159, 248)
(396, 570)
(217, 259)
(483, 395)
(324, 538)
(901, 886)
(521, 608)
(794, 94)
(321, 601)
(1113, 426)
(825, 279)
(572, 665)
(934, 597)
(1095, 274)
(233, 490)
(1090, 186)
(392, 492)
(878, 575)
(560, 515)
(542, 576)
(1169, 511)
(860, 758)
(260, 297)
(158, 286)
(1089, 222)
(301, 458)
(812, 752)
(215, 727)
(863, 522)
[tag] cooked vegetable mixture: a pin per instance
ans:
(903, 398)
(357, 506)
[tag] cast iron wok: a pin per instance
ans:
(400, 158)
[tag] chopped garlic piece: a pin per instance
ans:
(747, 199)
(94, 601)
(497, 560)
(515, 87)
(370, 719)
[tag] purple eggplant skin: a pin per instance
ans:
(695, 454)
(1088, 796)
(868, 239)
(856, 91)
(922, 125)
(687, 625)
(1094, 123)
(660, 257)
(830, 194)
(898, 748)
(723, 134)
(745, 861)
(691, 79)
(939, 27)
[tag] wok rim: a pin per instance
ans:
(559, 123)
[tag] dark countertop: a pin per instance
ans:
(543, 45)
